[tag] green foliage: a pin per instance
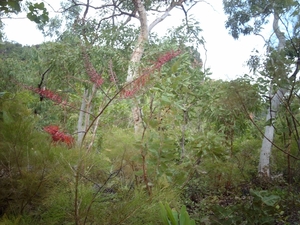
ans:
(199, 148)
(10, 6)
(172, 217)
(246, 17)
(37, 12)
(40, 183)
(25, 157)
(261, 208)
(18, 64)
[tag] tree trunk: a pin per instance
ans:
(81, 120)
(84, 114)
(135, 60)
(265, 153)
(142, 39)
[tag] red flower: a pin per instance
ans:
(46, 93)
(59, 136)
(141, 81)
(166, 58)
(51, 129)
(91, 71)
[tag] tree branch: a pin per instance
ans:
(165, 14)
(279, 34)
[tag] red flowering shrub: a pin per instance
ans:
(139, 82)
(59, 136)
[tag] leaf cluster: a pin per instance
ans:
(11, 6)
(249, 16)
(172, 217)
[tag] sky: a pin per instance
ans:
(225, 56)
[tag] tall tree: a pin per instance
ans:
(250, 17)
(139, 50)
(117, 15)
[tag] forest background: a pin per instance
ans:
(109, 123)
(211, 18)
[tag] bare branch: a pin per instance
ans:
(196, 2)
(91, 6)
(86, 9)
(166, 13)
(50, 6)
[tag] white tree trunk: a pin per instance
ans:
(81, 120)
(265, 153)
(135, 60)
(142, 39)
(84, 114)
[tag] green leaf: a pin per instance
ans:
(170, 217)
(270, 200)
(3, 93)
(183, 218)
(40, 6)
(265, 197)
(38, 13)
(165, 99)
(7, 118)
(164, 214)
(175, 66)
(175, 216)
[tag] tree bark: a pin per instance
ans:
(142, 39)
(81, 120)
(265, 153)
(135, 60)
(84, 114)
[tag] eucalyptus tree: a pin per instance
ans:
(252, 17)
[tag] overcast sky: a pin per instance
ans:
(225, 56)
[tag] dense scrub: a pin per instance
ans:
(43, 182)
(69, 153)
